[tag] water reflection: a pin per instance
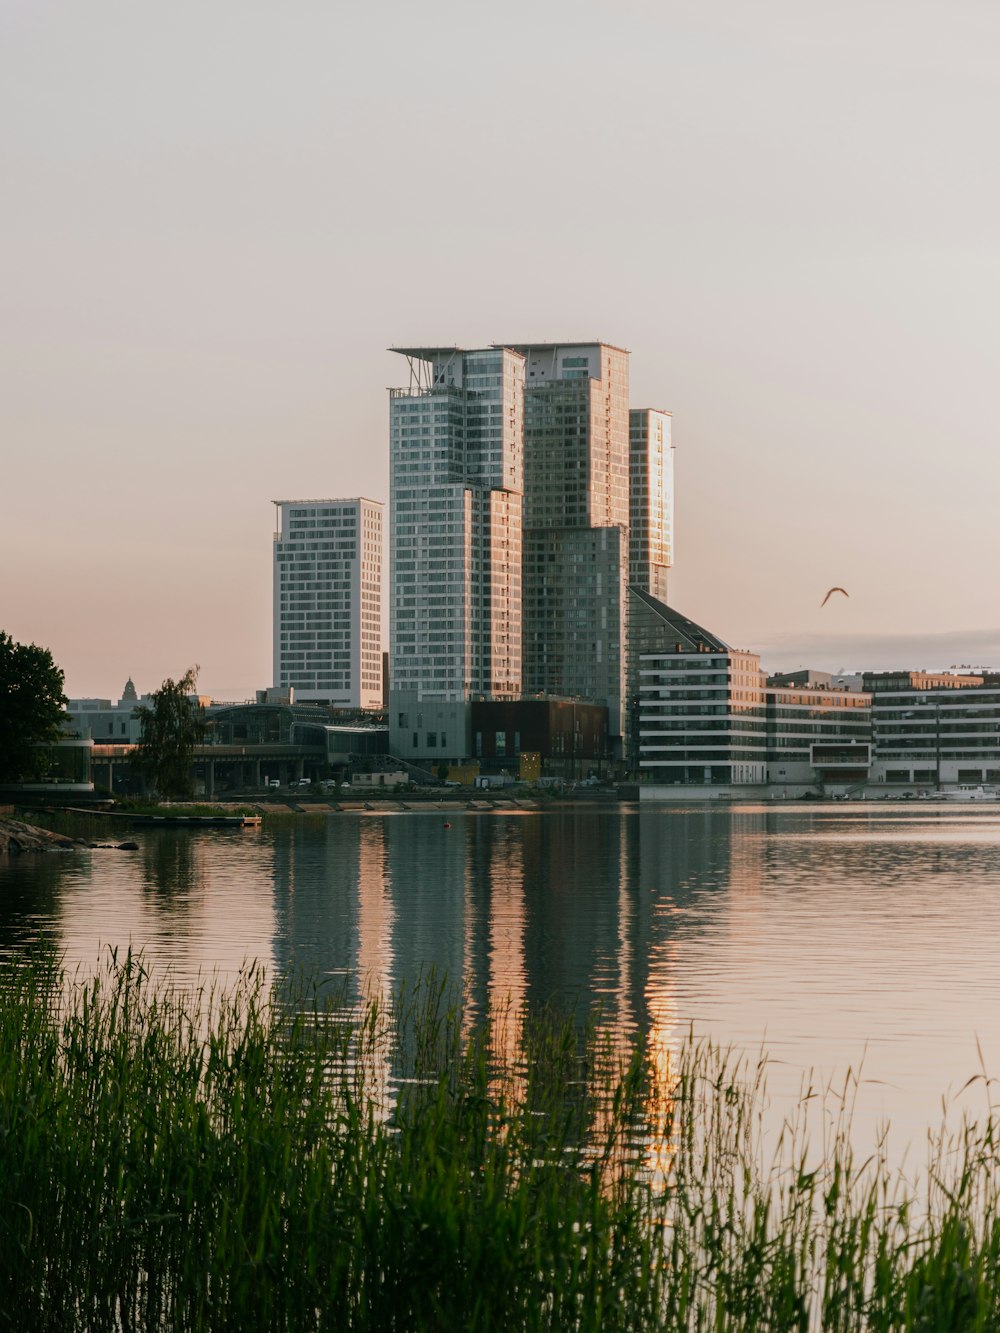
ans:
(172, 869)
(828, 932)
(30, 894)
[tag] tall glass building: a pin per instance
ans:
(456, 486)
(328, 601)
(576, 521)
(651, 500)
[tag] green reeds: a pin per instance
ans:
(253, 1157)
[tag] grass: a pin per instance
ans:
(271, 1158)
(181, 809)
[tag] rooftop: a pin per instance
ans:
(340, 500)
(433, 353)
(689, 637)
(545, 346)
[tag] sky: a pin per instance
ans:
(218, 217)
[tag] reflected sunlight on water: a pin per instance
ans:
(833, 935)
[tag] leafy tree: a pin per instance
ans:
(172, 725)
(31, 707)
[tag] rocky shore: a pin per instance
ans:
(17, 837)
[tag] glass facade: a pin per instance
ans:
(576, 470)
(651, 501)
(456, 483)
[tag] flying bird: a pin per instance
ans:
(830, 594)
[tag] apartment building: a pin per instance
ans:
(935, 730)
(327, 619)
(456, 485)
(817, 732)
(651, 500)
(705, 715)
(700, 709)
(576, 522)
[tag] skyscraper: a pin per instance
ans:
(456, 482)
(328, 601)
(651, 500)
(576, 521)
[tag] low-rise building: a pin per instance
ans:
(107, 723)
(817, 733)
(935, 730)
(428, 731)
(705, 715)
(568, 738)
(699, 705)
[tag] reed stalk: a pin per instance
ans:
(272, 1157)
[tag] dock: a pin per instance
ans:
(195, 821)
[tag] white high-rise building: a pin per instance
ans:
(456, 482)
(651, 500)
(456, 476)
(328, 601)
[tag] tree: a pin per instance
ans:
(31, 707)
(172, 725)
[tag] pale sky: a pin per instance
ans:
(218, 216)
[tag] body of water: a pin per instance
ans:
(834, 936)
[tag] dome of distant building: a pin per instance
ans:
(129, 695)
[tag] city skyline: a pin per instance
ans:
(216, 221)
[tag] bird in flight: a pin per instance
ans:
(830, 594)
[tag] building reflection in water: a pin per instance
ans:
(206, 910)
(584, 911)
(827, 929)
(680, 857)
(495, 890)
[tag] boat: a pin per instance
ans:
(967, 791)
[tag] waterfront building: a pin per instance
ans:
(576, 522)
(935, 731)
(456, 481)
(817, 734)
(651, 500)
(328, 601)
(700, 707)
(704, 714)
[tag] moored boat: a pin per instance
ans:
(966, 791)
